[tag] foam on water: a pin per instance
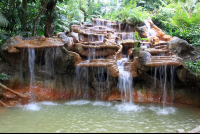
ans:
(99, 103)
(32, 107)
(163, 111)
(128, 107)
(48, 103)
(58, 131)
(78, 102)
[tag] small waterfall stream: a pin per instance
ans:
(31, 61)
(172, 70)
(125, 81)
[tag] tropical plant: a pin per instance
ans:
(3, 21)
(137, 37)
(193, 66)
(4, 76)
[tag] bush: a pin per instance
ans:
(4, 76)
(193, 66)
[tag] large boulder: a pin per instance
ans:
(183, 49)
(63, 37)
(10, 42)
(144, 57)
(68, 41)
(65, 61)
(189, 78)
(74, 35)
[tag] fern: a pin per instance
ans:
(3, 21)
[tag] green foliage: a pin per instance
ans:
(190, 34)
(162, 18)
(4, 76)
(183, 20)
(137, 37)
(3, 21)
(130, 12)
(150, 5)
(178, 19)
(137, 16)
(175, 17)
(193, 66)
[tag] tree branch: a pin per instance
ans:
(36, 18)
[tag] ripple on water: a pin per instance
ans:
(48, 103)
(99, 103)
(163, 111)
(32, 107)
(78, 102)
(128, 107)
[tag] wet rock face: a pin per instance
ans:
(10, 42)
(74, 35)
(100, 79)
(64, 62)
(180, 46)
(183, 49)
(144, 57)
(84, 63)
(189, 78)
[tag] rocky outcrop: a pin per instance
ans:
(10, 42)
(84, 63)
(189, 78)
(183, 49)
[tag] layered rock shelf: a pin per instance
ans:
(93, 59)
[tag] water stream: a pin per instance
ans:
(125, 81)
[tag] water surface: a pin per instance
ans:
(97, 116)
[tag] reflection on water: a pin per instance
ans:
(97, 116)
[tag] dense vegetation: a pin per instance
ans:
(179, 18)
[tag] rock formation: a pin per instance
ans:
(84, 62)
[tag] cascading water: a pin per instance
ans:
(119, 26)
(164, 88)
(49, 60)
(163, 82)
(125, 81)
(31, 61)
(100, 38)
(81, 81)
(172, 70)
(150, 31)
(101, 82)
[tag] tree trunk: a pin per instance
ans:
(83, 10)
(36, 18)
(49, 28)
(24, 16)
(49, 22)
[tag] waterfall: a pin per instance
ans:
(125, 81)
(172, 70)
(119, 26)
(31, 61)
(101, 81)
(100, 38)
(150, 31)
(164, 88)
(128, 28)
(154, 88)
(81, 81)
